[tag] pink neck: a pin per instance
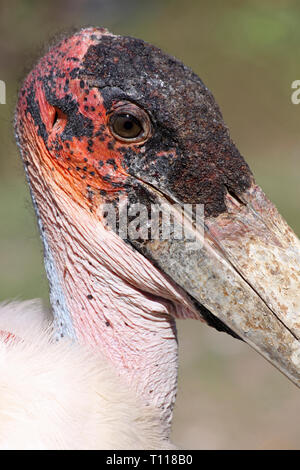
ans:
(108, 296)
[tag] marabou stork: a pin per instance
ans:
(105, 119)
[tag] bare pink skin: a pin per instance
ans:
(103, 293)
(118, 302)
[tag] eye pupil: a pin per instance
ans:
(128, 125)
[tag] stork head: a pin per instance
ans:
(110, 119)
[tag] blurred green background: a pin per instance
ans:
(246, 52)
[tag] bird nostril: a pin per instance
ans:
(57, 116)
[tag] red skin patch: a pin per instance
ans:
(88, 163)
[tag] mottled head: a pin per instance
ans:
(110, 111)
(104, 117)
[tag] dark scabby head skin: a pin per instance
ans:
(70, 93)
(190, 155)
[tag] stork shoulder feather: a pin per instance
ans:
(59, 395)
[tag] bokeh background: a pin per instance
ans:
(247, 52)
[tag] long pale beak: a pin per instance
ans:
(246, 272)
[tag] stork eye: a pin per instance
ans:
(129, 123)
(126, 126)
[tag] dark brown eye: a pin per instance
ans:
(129, 123)
(126, 126)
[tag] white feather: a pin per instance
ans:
(59, 395)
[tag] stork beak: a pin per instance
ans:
(246, 271)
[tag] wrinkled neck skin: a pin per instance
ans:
(106, 295)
